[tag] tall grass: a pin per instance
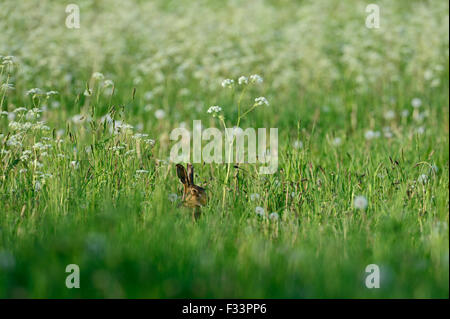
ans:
(85, 177)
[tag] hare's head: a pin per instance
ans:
(193, 195)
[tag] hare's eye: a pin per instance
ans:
(194, 191)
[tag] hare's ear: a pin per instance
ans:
(181, 173)
(190, 174)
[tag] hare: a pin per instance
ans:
(193, 196)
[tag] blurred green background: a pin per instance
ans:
(359, 111)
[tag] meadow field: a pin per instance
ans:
(86, 176)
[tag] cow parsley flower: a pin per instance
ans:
(261, 101)
(98, 76)
(227, 83)
(108, 83)
(34, 91)
(255, 78)
(214, 109)
(51, 93)
(243, 80)
(7, 87)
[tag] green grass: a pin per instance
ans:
(325, 78)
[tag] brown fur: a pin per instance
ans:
(194, 196)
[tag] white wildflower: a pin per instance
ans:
(34, 91)
(297, 144)
(214, 109)
(108, 83)
(416, 102)
(360, 202)
(389, 115)
(74, 164)
(227, 83)
(337, 141)
(420, 130)
(255, 78)
(98, 76)
(243, 80)
(261, 101)
(259, 211)
(160, 114)
(51, 93)
(423, 179)
(274, 216)
(369, 135)
(20, 109)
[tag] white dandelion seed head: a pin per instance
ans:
(148, 95)
(259, 211)
(405, 113)
(370, 135)
(360, 202)
(274, 216)
(420, 130)
(337, 141)
(254, 196)
(389, 115)
(160, 114)
(416, 102)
